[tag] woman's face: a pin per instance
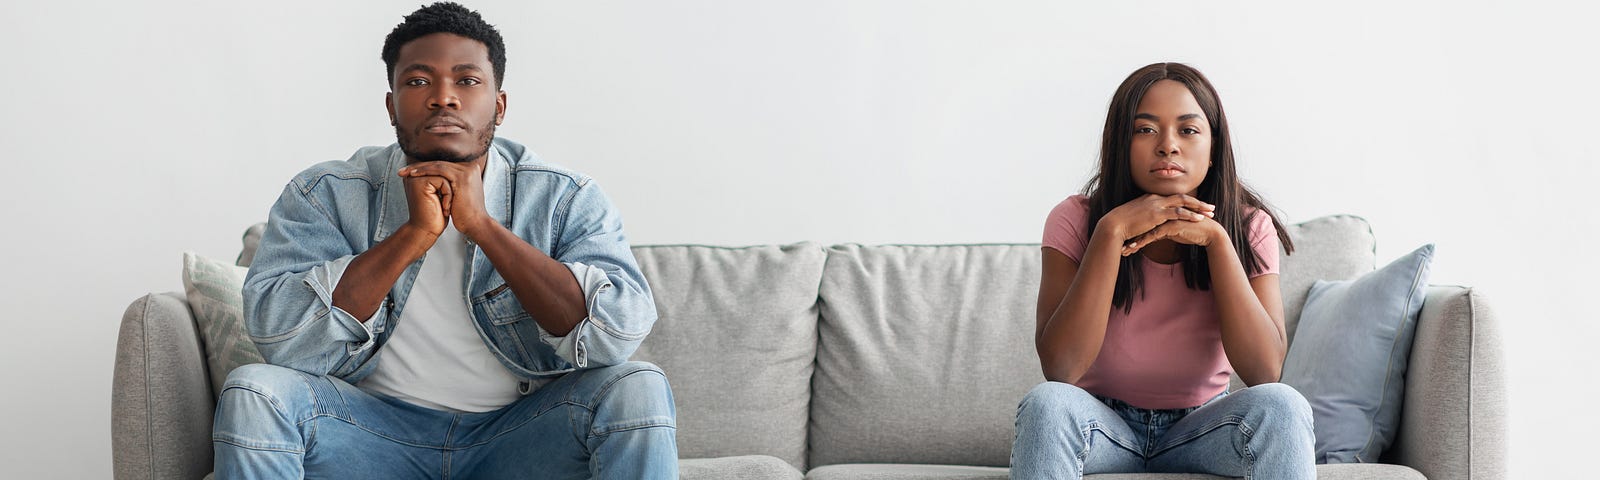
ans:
(1171, 141)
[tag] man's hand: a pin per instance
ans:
(463, 199)
(429, 200)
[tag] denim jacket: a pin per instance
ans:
(335, 210)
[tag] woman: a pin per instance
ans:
(1159, 284)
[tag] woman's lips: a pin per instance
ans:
(1167, 170)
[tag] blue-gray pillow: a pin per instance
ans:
(1349, 356)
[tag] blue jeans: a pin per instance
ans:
(610, 422)
(1262, 432)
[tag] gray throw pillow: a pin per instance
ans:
(213, 289)
(1349, 356)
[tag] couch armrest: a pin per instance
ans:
(1453, 423)
(161, 400)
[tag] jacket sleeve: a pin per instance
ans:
(617, 298)
(288, 294)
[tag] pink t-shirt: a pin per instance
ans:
(1166, 353)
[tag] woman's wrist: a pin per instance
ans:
(1111, 229)
(1218, 236)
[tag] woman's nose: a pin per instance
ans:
(1167, 146)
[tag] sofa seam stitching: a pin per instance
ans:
(1472, 381)
(144, 334)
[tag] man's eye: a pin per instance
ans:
(416, 82)
(470, 81)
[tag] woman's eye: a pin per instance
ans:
(1191, 131)
(1144, 130)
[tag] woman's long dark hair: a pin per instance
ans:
(1114, 186)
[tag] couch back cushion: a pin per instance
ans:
(736, 337)
(1339, 247)
(923, 353)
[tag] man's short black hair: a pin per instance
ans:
(446, 17)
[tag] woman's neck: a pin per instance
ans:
(1162, 251)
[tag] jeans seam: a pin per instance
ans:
(507, 431)
(1196, 433)
(1249, 455)
(630, 428)
(1089, 428)
(228, 441)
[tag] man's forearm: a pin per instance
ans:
(368, 278)
(544, 286)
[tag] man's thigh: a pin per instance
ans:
(275, 417)
(551, 432)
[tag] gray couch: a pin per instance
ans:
(868, 362)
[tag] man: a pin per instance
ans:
(446, 307)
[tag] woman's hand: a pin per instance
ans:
(1149, 212)
(1201, 233)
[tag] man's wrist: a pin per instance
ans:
(484, 226)
(418, 238)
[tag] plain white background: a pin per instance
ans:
(133, 132)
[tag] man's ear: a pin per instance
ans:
(388, 104)
(500, 108)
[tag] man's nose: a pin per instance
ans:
(444, 98)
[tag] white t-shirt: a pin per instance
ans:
(435, 358)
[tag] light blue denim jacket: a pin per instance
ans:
(335, 210)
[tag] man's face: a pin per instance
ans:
(445, 104)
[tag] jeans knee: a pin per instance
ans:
(1280, 401)
(267, 380)
(634, 392)
(281, 388)
(1055, 401)
(260, 405)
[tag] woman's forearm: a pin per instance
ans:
(1251, 337)
(1070, 340)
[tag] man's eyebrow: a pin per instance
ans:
(417, 67)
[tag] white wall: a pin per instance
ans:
(132, 133)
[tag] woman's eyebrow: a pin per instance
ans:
(1152, 117)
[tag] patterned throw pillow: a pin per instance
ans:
(213, 291)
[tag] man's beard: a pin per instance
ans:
(407, 139)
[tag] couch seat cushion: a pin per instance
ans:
(747, 467)
(736, 337)
(884, 471)
(891, 471)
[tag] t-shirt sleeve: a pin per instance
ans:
(1065, 230)
(1264, 240)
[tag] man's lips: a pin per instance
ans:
(445, 125)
